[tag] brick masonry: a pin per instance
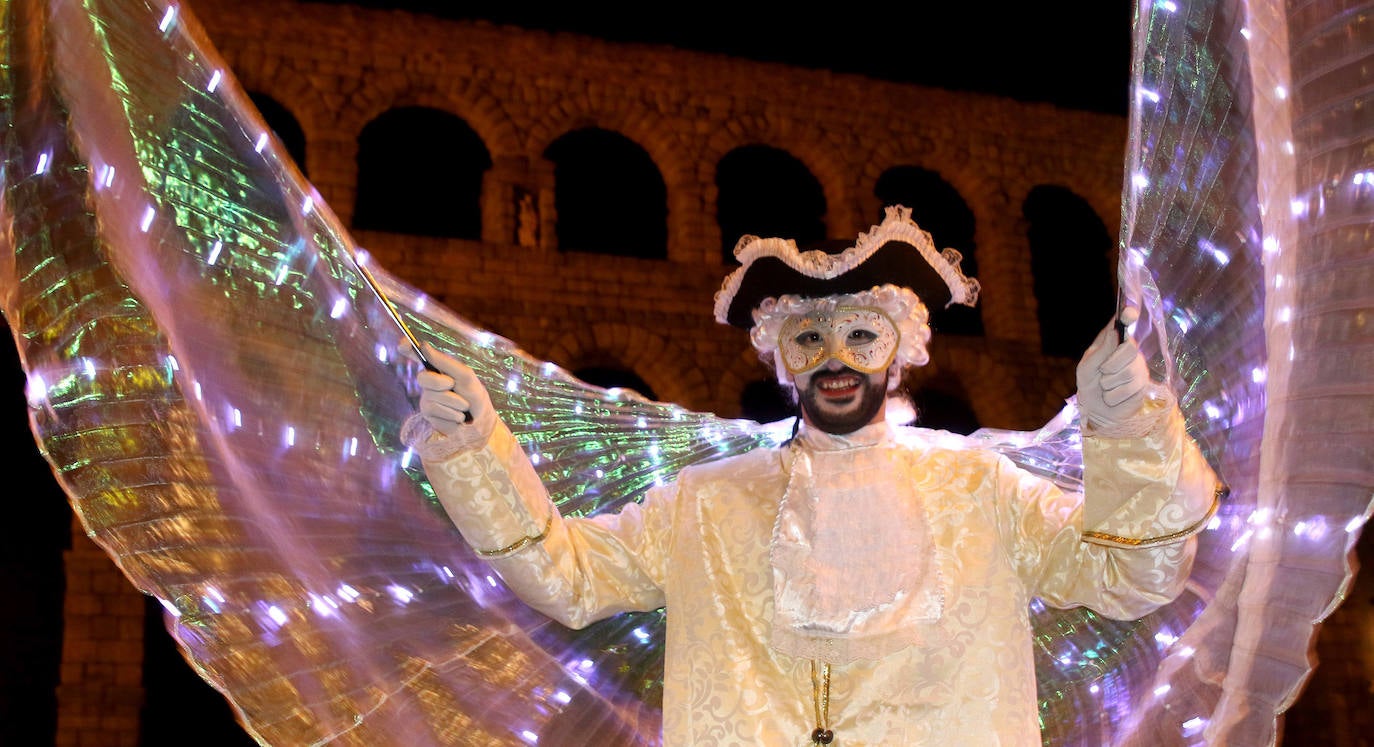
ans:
(338, 67)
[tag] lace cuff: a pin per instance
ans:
(433, 446)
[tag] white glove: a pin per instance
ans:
(1113, 379)
(453, 400)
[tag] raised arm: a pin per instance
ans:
(1127, 545)
(576, 570)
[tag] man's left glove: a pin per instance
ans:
(1113, 379)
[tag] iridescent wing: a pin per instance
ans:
(1245, 237)
(220, 394)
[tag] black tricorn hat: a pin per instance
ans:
(894, 252)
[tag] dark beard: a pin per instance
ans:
(871, 395)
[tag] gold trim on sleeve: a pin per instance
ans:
(521, 543)
(1102, 538)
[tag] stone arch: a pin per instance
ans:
(285, 126)
(803, 141)
(1071, 269)
(480, 110)
(259, 75)
(610, 196)
(778, 196)
(744, 370)
(421, 171)
(657, 135)
(673, 374)
(1004, 302)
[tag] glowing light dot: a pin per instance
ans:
(1187, 652)
(1169, 6)
(1278, 280)
(147, 221)
(261, 143)
(1242, 540)
(42, 164)
(1161, 690)
(290, 435)
(308, 205)
(491, 582)
(1285, 314)
(1289, 148)
(172, 363)
(1094, 689)
(382, 354)
(1220, 256)
(214, 81)
(338, 309)
(1271, 244)
(214, 252)
(277, 615)
(600, 474)
(88, 366)
(36, 390)
(1212, 410)
(529, 736)
(641, 634)
(348, 592)
(281, 275)
(1245, 32)
(562, 697)
(1354, 524)
(353, 446)
(1281, 92)
(168, 18)
(1140, 180)
(406, 457)
(550, 368)
(1258, 375)
(401, 594)
(513, 384)
(485, 339)
(1147, 94)
(238, 418)
(641, 421)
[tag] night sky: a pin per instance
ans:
(1074, 53)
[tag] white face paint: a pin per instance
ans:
(862, 338)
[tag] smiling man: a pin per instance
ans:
(866, 583)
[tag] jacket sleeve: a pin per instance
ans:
(575, 570)
(1125, 546)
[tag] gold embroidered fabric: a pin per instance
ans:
(998, 537)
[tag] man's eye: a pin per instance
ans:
(809, 338)
(862, 335)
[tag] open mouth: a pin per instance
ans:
(838, 386)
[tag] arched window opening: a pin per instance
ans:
(944, 411)
(609, 377)
(609, 195)
(284, 125)
(1070, 253)
(420, 172)
(767, 192)
(939, 209)
(764, 401)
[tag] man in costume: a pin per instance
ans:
(865, 583)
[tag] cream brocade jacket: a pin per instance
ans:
(962, 671)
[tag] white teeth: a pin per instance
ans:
(836, 384)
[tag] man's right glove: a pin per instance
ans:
(453, 400)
